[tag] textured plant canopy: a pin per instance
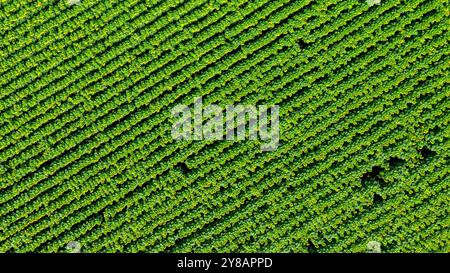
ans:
(87, 160)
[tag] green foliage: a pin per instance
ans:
(87, 158)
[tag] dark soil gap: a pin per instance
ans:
(183, 167)
(426, 152)
(311, 247)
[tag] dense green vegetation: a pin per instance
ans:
(86, 153)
